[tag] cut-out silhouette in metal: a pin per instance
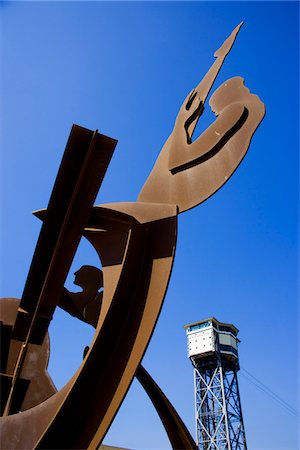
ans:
(85, 305)
(136, 245)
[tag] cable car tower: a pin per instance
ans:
(212, 349)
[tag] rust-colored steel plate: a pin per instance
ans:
(177, 432)
(136, 245)
(82, 170)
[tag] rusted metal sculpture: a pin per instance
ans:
(136, 245)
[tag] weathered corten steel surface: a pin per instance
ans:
(82, 170)
(35, 382)
(186, 173)
(136, 246)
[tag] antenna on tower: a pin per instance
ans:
(212, 349)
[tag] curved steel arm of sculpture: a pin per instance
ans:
(137, 257)
(177, 432)
(179, 435)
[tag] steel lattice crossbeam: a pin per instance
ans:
(219, 422)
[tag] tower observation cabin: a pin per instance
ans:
(212, 347)
(210, 339)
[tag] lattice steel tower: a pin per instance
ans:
(212, 349)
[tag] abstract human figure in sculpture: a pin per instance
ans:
(85, 305)
(186, 173)
(136, 244)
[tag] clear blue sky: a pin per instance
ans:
(125, 68)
